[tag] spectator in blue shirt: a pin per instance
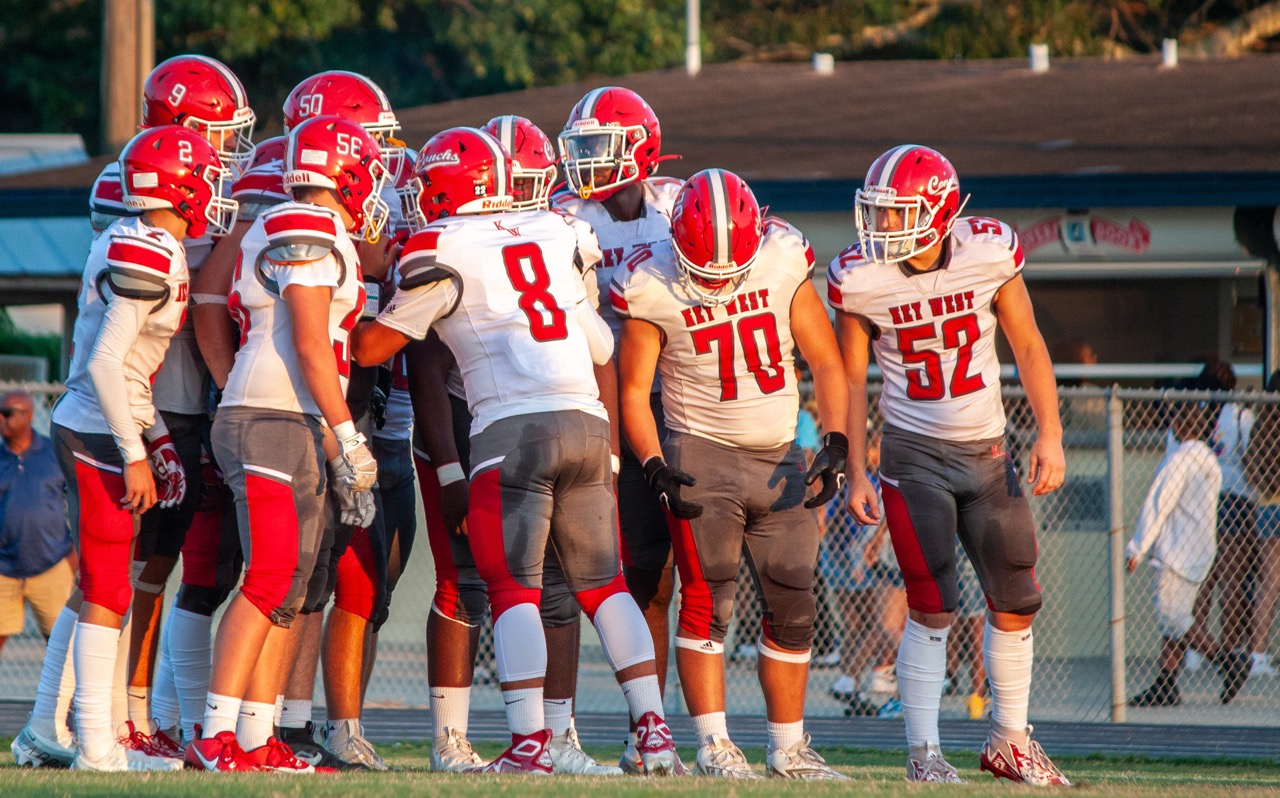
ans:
(36, 559)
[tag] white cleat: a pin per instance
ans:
(120, 759)
(1022, 761)
(799, 762)
(926, 764)
(348, 744)
(35, 750)
(453, 754)
(721, 759)
(568, 757)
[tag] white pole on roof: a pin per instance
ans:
(692, 37)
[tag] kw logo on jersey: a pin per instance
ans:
(938, 306)
(751, 300)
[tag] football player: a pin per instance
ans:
(296, 294)
(610, 147)
(505, 295)
(927, 288)
(719, 312)
(133, 299)
(204, 95)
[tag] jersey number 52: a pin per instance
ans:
(925, 382)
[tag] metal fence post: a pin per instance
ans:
(1115, 538)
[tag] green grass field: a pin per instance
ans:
(874, 773)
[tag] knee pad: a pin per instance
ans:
(592, 598)
(270, 583)
(356, 585)
(706, 609)
(794, 636)
(790, 616)
(200, 600)
(1021, 595)
(559, 607)
(135, 579)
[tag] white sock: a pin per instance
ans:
(558, 714)
(95, 658)
(642, 696)
(57, 676)
(221, 713)
(1008, 657)
(139, 708)
(524, 708)
(295, 713)
(922, 667)
(520, 646)
(342, 729)
(190, 653)
(450, 708)
(120, 685)
(621, 627)
(785, 735)
(254, 724)
(279, 709)
(707, 725)
(164, 693)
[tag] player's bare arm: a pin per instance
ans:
(309, 312)
(215, 330)
(817, 342)
(854, 336)
(428, 364)
(637, 361)
(373, 343)
(1048, 464)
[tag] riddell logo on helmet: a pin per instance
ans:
(297, 177)
(439, 158)
(496, 204)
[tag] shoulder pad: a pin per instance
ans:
(138, 268)
(794, 241)
(418, 266)
(298, 234)
(993, 235)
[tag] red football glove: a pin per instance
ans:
(171, 480)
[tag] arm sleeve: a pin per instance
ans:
(120, 327)
(599, 336)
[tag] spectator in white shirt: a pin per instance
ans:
(1178, 526)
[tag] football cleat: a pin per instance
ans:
(721, 759)
(1024, 762)
(528, 754)
(220, 753)
(567, 756)
(799, 762)
(926, 764)
(278, 757)
(655, 746)
(348, 743)
(303, 742)
(163, 744)
(120, 759)
(453, 754)
(30, 748)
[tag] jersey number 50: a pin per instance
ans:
(926, 384)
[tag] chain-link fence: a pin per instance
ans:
(1104, 635)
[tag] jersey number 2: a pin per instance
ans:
(925, 384)
(548, 322)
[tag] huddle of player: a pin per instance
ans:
(596, 387)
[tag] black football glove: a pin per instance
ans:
(666, 482)
(378, 407)
(828, 464)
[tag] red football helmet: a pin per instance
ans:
(533, 160)
(611, 131)
(716, 231)
(262, 181)
(908, 203)
(461, 170)
(353, 97)
(332, 152)
(176, 168)
(203, 94)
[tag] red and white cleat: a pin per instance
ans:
(164, 745)
(220, 753)
(528, 754)
(1022, 761)
(278, 757)
(655, 747)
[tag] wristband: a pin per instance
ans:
(344, 431)
(615, 462)
(450, 473)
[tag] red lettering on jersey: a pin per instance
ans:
(612, 257)
(984, 224)
(687, 314)
(903, 314)
(640, 254)
(515, 231)
(182, 293)
(279, 223)
(895, 314)
(128, 254)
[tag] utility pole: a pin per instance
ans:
(692, 37)
(128, 54)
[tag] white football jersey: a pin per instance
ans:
(133, 298)
(933, 333)
(728, 372)
(182, 384)
(624, 242)
(290, 244)
(503, 292)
